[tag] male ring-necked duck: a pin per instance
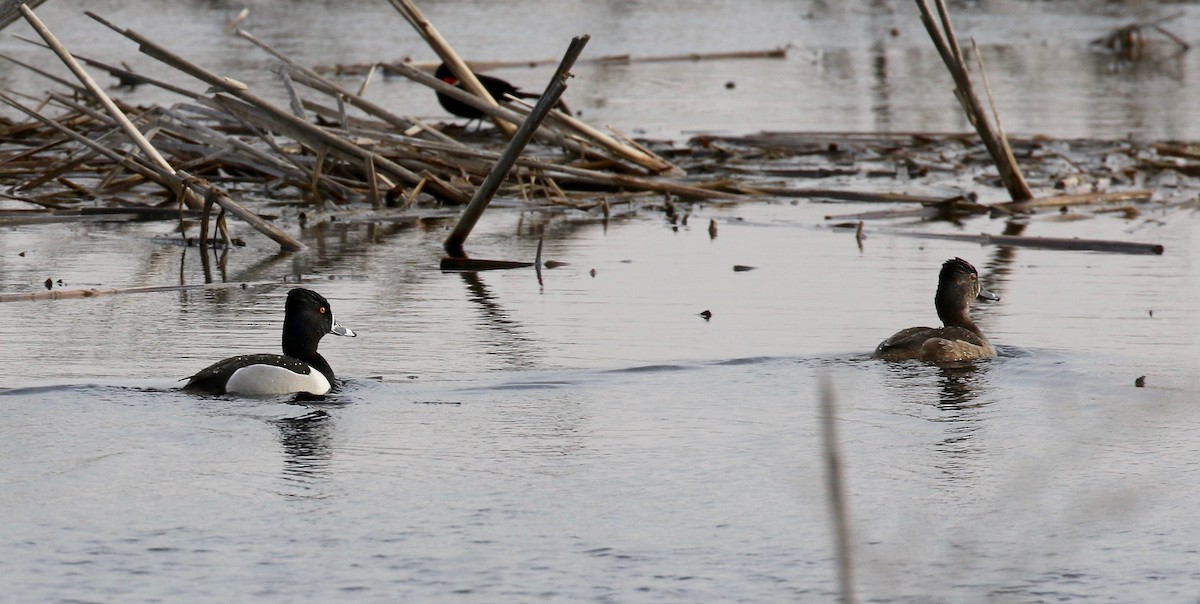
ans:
(960, 339)
(307, 318)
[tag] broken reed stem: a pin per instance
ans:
(1049, 243)
(457, 66)
(641, 157)
(835, 487)
(246, 105)
(74, 294)
(485, 192)
(633, 153)
(313, 80)
(1062, 201)
(1001, 136)
(97, 92)
(546, 135)
(125, 161)
(182, 182)
(997, 145)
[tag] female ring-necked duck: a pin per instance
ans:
(307, 317)
(960, 339)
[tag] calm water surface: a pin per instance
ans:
(591, 438)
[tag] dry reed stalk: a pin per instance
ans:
(844, 195)
(9, 10)
(993, 138)
(130, 130)
(75, 294)
(619, 59)
(458, 67)
(835, 489)
(235, 98)
(641, 157)
(1050, 243)
(129, 163)
(75, 88)
(1074, 200)
(483, 195)
(545, 134)
(183, 182)
(313, 80)
(635, 154)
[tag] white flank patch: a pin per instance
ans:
(257, 380)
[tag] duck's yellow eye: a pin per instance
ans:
(322, 310)
(973, 277)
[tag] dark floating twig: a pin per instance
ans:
(1050, 243)
(483, 195)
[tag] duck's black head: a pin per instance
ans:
(307, 317)
(958, 286)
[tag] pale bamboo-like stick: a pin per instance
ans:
(647, 160)
(1050, 243)
(130, 130)
(372, 184)
(618, 59)
(457, 66)
(497, 111)
(253, 107)
(74, 294)
(151, 153)
(362, 88)
(1074, 200)
(128, 162)
(634, 154)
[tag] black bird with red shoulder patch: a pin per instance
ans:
(496, 87)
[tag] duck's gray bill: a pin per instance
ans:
(987, 295)
(338, 330)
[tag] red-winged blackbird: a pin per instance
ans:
(495, 86)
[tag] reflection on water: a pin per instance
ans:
(960, 385)
(502, 335)
(307, 447)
